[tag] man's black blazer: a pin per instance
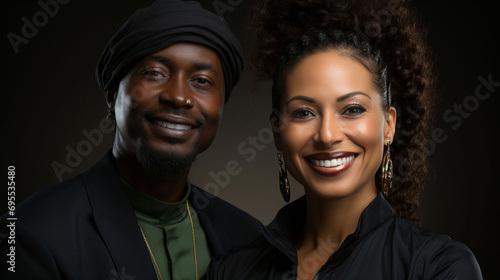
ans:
(85, 228)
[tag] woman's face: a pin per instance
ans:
(333, 128)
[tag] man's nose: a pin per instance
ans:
(177, 92)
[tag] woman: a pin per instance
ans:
(343, 114)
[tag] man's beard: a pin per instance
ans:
(164, 163)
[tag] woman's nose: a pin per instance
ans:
(329, 131)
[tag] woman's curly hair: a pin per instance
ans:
(395, 29)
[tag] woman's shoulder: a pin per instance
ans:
(420, 237)
(437, 255)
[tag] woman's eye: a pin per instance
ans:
(301, 114)
(354, 110)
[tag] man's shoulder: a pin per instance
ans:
(64, 200)
(55, 202)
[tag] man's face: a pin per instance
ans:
(170, 104)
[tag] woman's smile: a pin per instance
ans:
(331, 164)
(333, 125)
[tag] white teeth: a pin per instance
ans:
(333, 162)
(173, 125)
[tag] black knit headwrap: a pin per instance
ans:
(160, 25)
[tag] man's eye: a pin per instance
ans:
(153, 73)
(203, 81)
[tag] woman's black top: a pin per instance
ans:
(383, 246)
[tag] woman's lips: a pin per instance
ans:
(332, 164)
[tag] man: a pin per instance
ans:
(166, 75)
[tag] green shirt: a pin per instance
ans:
(168, 232)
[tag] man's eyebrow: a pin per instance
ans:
(160, 58)
(203, 66)
(197, 65)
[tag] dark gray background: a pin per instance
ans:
(49, 97)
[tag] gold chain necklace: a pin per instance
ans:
(194, 245)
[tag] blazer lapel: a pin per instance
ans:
(201, 203)
(115, 220)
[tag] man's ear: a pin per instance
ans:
(111, 96)
(276, 125)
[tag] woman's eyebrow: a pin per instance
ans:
(301, 97)
(351, 94)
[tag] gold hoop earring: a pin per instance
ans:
(283, 178)
(387, 171)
